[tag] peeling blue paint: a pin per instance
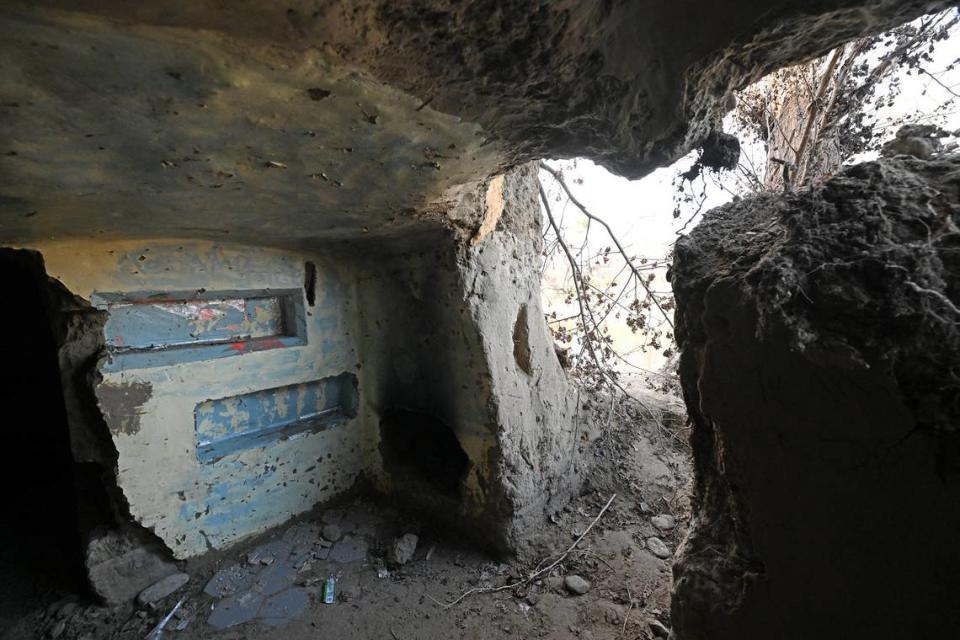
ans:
(157, 329)
(254, 419)
(151, 325)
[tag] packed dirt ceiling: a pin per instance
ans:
(300, 123)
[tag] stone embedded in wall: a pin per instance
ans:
(521, 341)
(121, 563)
(820, 346)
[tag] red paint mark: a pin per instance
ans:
(250, 346)
(118, 341)
(206, 314)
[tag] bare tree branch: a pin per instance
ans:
(559, 178)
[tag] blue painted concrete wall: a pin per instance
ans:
(157, 411)
(254, 419)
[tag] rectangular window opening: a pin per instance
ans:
(147, 330)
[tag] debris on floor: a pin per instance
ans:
(390, 576)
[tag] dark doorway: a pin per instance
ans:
(40, 556)
(419, 447)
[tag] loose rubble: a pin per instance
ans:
(403, 549)
(386, 587)
(163, 588)
(658, 548)
(576, 585)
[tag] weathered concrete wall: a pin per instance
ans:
(440, 335)
(819, 357)
(543, 423)
(190, 503)
(454, 333)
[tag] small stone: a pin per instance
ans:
(58, 629)
(664, 522)
(576, 585)
(163, 588)
(67, 610)
(403, 549)
(122, 563)
(267, 560)
(658, 548)
(658, 629)
(331, 532)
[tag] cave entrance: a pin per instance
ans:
(40, 557)
(420, 449)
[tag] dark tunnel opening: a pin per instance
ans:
(40, 551)
(420, 448)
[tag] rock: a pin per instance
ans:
(403, 549)
(331, 532)
(658, 629)
(659, 548)
(162, 588)
(920, 141)
(58, 629)
(664, 522)
(123, 562)
(576, 585)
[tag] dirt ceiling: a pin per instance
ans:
(303, 123)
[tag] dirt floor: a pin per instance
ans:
(273, 587)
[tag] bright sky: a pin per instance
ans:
(641, 211)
